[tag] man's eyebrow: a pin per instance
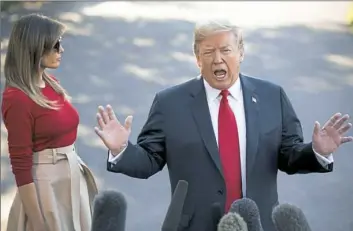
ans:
(208, 49)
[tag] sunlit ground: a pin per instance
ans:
(263, 14)
(248, 15)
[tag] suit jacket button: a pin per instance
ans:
(220, 192)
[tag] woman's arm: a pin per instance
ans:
(18, 120)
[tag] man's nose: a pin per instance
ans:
(218, 58)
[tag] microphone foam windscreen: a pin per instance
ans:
(287, 217)
(249, 211)
(109, 211)
(232, 222)
(175, 209)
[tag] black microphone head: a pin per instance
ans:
(216, 213)
(175, 209)
(109, 211)
(287, 217)
(232, 222)
(249, 211)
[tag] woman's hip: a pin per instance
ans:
(62, 179)
(62, 167)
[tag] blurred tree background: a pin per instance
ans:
(9, 6)
(6, 5)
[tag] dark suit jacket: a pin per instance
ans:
(179, 133)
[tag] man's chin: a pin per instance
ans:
(222, 84)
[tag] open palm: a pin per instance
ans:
(327, 139)
(113, 134)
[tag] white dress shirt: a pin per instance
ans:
(236, 103)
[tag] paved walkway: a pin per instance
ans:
(125, 60)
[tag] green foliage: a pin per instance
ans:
(350, 15)
(6, 5)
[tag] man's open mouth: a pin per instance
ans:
(220, 73)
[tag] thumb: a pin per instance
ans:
(317, 127)
(128, 123)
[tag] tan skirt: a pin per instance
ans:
(66, 189)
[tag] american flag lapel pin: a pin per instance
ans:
(254, 99)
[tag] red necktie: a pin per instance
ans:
(228, 142)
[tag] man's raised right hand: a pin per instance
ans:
(113, 134)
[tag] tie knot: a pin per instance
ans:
(224, 93)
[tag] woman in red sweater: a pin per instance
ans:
(55, 188)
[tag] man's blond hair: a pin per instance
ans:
(204, 29)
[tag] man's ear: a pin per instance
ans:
(241, 55)
(198, 61)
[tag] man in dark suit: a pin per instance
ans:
(225, 133)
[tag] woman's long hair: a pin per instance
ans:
(32, 37)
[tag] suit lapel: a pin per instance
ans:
(202, 117)
(251, 107)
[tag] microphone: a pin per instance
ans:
(216, 214)
(175, 209)
(287, 217)
(109, 211)
(249, 211)
(232, 222)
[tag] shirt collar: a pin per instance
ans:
(212, 93)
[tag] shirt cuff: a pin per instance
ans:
(324, 160)
(114, 159)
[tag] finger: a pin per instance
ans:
(341, 121)
(128, 123)
(344, 128)
(346, 139)
(316, 127)
(104, 114)
(111, 113)
(332, 120)
(100, 121)
(98, 132)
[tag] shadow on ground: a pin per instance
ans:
(111, 60)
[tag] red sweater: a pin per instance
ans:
(32, 128)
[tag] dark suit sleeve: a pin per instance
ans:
(147, 157)
(296, 156)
